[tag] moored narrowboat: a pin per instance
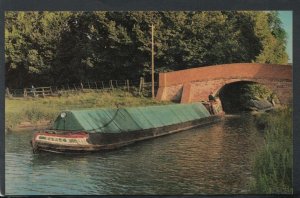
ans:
(87, 130)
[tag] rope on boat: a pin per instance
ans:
(111, 120)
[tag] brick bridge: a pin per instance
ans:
(195, 84)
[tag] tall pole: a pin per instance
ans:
(152, 27)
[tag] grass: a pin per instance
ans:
(38, 109)
(273, 163)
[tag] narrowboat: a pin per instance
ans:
(89, 130)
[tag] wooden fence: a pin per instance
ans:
(39, 91)
(138, 86)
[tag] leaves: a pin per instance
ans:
(77, 46)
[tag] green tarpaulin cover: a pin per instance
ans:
(109, 120)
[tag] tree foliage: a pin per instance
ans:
(31, 40)
(59, 47)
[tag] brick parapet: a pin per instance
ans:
(226, 71)
(195, 84)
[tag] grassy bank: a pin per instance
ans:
(37, 109)
(273, 162)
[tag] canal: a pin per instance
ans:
(209, 160)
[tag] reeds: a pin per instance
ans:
(273, 163)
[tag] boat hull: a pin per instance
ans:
(81, 141)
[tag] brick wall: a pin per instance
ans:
(195, 84)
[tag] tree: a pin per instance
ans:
(30, 45)
(60, 47)
(272, 38)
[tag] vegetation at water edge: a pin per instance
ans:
(273, 162)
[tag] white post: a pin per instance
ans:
(152, 60)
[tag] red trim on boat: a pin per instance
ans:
(68, 135)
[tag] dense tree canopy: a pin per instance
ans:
(57, 47)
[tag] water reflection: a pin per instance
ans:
(208, 160)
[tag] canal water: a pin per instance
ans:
(208, 160)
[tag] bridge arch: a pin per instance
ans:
(195, 84)
(232, 95)
(233, 81)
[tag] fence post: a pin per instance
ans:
(81, 85)
(111, 85)
(141, 85)
(43, 92)
(96, 86)
(25, 93)
(68, 87)
(102, 84)
(89, 84)
(74, 87)
(127, 82)
(7, 93)
(56, 88)
(34, 93)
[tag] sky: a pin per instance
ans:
(286, 18)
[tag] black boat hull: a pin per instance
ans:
(81, 141)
